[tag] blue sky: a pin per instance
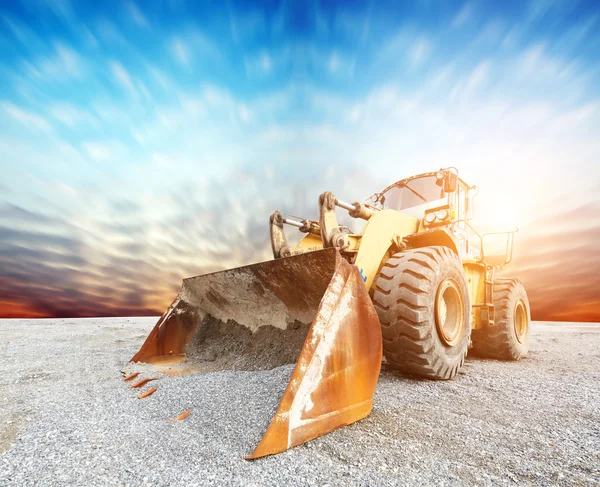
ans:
(149, 141)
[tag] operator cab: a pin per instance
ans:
(438, 199)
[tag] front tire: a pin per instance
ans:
(422, 300)
(508, 338)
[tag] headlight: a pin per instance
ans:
(442, 214)
(437, 217)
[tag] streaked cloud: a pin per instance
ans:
(556, 264)
(72, 116)
(27, 119)
(419, 50)
(62, 64)
(340, 65)
(463, 15)
(123, 78)
(246, 23)
(136, 15)
(465, 88)
(97, 150)
(259, 65)
(180, 51)
(148, 145)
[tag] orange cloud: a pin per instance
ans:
(558, 260)
(11, 309)
(44, 275)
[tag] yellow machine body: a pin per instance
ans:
(384, 234)
(314, 305)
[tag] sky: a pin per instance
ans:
(141, 143)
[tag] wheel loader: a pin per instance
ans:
(415, 286)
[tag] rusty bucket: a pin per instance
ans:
(312, 309)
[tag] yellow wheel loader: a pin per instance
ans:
(415, 284)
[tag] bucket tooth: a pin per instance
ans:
(141, 383)
(181, 416)
(148, 393)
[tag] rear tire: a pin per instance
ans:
(422, 300)
(508, 338)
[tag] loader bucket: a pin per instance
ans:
(312, 309)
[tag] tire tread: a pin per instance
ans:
(499, 341)
(402, 294)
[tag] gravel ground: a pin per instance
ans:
(66, 418)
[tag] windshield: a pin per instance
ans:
(416, 196)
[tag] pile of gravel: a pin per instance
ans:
(231, 346)
(67, 418)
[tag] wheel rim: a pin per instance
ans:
(449, 312)
(521, 321)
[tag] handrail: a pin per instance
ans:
(472, 228)
(510, 236)
(510, 239)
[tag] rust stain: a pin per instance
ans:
(181, 417)
(216, 298)
(258, 289)
(338, 368)
(337, 372)
(131, 377)
(149, 392)
(141, 383)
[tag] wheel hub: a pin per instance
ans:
(449, 312)
(521, 321)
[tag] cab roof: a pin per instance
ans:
(422, 175)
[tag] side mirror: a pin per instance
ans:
(450, 182)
